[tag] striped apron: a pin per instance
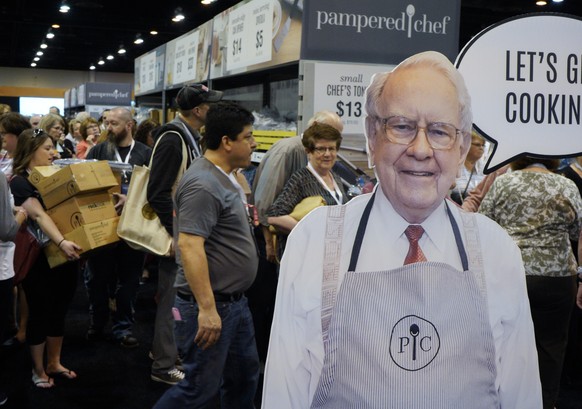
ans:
(414, 337)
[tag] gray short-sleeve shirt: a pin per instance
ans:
(207, 204)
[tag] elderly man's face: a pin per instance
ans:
(416, 178)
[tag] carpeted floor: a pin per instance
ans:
(111, 377)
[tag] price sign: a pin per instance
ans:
(250, 34)
(341, 88)
(147, 72)
(185, 58)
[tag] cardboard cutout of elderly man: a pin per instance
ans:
(399, 299)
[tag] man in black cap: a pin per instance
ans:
(192, 102)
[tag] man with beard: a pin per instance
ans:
(119, 264)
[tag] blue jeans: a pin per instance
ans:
(231, 366)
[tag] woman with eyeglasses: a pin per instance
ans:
(55, 126)
(88, 134)
(48, 291)
(321, 143)
(471, 173)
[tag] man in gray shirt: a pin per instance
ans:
(217, 259)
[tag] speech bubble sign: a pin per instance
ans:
(524, 76)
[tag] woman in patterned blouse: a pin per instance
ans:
(542, 211)
(321, 143)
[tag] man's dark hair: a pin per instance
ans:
(14, 123)
(225, 118)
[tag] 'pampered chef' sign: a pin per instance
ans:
(118, 94)
(373, 31)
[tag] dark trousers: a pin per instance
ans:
(551, 300)
(48, 294)
(261, 297)
(6, 308)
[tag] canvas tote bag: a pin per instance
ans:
(139, 225)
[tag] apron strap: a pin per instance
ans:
(360, 234)
(458, 239)
(331, 260)
(473, 242)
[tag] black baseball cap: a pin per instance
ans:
(190, 96)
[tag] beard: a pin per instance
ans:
(117, 138)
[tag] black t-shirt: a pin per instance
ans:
(22, 189)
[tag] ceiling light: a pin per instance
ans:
(541, 3)
(138, 39)
(154, 32)
(92, 67)
(55, 26)
(36, 58)
(178, 15)
(206, 2)
(64, 7)
(33, 64)
(43, 46)
(110, 57)
(121, 50)
(100, 62)
(39, 53)
(50, 35)
(557, 1)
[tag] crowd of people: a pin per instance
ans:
(443, 287)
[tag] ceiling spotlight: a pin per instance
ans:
(43, 46)
(138, 39)
(110, 57)
(154, 32)
(100, 62)
(121, 50)
(541, 3)
(206, 2)
(64, 7)
(36, 58)
(557, 1)
(39, 53)
(56, 26)
(33, 64)
(178, 15)
(92, 67)
(50, 35)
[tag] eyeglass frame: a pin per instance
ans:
(322, 150)
(384, 122)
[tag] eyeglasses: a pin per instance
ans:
(321, 150)
(402, 131)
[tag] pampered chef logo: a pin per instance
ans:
(406, 22)
(115, 94)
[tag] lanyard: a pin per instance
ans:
(128, 154)
(336, 193)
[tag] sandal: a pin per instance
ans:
(41, 383)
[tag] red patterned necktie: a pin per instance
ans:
(413, 233)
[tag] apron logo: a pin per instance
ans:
(414, 343)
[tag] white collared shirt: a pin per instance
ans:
(295, 358)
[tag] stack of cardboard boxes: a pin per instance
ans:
(78, 199)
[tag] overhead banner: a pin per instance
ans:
(149, 71)
(525, 80)
(380, 32)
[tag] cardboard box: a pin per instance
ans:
(82, 209)
(90, 237)
(57, 185)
